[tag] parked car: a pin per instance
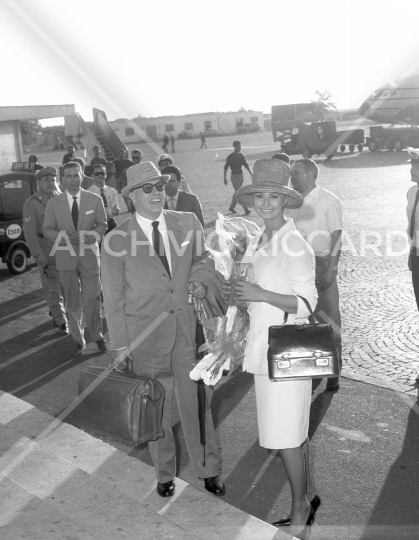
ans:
(251, 127)
(15, 188)
(185, 135)
(211, 132)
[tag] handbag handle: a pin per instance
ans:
(311, 317)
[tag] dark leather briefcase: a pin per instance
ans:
(302, 351)
(120, 403)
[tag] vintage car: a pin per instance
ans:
(15, 188)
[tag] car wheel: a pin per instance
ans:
(360, 147)
(351, 148)
(373, 146)
(17, 261)
(307, 153)
(342, 147)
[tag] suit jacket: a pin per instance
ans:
(189, 203)
(58, 218)
(137, 289)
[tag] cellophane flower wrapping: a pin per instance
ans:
(225, 337)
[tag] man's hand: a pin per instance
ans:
(41, 259)
(115, 211)
(120, 356)
(327, 279)
(197, 289)
(225, 181)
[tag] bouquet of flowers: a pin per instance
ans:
(225, 337)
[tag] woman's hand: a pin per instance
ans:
(248, 292)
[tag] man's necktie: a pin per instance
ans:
(75, 212)
(171, 205)
(158, 246)
(105, 200)
(413, 216)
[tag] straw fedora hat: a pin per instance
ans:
(270, 176)
(141, 174)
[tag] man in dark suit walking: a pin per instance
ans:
(179, 200)
(75, 222)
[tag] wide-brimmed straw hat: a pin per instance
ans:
(270, 176)
(140, 174)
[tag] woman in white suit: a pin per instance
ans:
(284, 266)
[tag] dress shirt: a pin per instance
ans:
(175, 198)
(71, 200)
(317, 218)
(111, 197)
(147, 228)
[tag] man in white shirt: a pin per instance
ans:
(413, 222)
(146, 270)
(75, 222)
(108, 194)
(319, 220)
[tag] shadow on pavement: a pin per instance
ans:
(24, 304)
(395, 514)
(5, 273)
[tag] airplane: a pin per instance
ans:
(394, 103)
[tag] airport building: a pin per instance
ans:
(186, 126)
(10, 133)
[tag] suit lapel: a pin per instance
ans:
(82, 210)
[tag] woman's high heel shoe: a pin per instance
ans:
(303, 535)
(284, 522)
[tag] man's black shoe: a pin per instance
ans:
(63, 329)
(333, 384)
(246, 212)
(102, 345)
(78, 349)
(167, 489)
(215, 485)
(233, 211)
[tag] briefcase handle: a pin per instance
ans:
(312, 319)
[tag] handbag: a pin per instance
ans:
(302, 351)
(120, 403)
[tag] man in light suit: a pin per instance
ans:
(146, 267)
(179, 200)
(75, 222)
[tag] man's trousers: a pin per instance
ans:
(327, 309)
(82, 288)
(172, 371)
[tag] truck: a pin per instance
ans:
(320, 138)
(15, 188)
(300, 131)
(392, 138)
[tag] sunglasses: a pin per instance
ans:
(99, 174)
(148, 188)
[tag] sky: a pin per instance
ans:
(134, 57)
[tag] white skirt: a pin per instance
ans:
(283, 412)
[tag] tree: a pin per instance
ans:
(323, 103)
(31, 130)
